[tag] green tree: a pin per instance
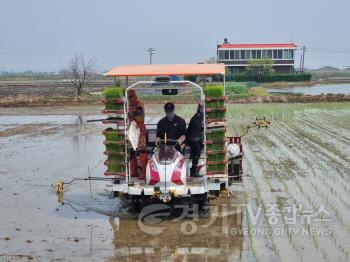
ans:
(259, 67)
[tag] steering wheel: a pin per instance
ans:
(170, 142)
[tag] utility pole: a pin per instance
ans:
(300, 64)
(151, 51)
(303, 60)
(217, 51)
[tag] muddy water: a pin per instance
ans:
(83, 223)
(301, 163)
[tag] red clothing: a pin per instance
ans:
(140, 123)
(143, 134)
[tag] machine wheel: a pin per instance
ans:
(230, 180)
(203, 201)
(136, 203)
(236, 173)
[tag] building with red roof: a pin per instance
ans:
(237, 56)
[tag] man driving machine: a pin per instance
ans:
(172, 125)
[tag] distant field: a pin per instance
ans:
(61, 93)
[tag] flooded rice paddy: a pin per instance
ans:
(294, 206)
(314, 90)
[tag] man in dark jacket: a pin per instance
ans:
(194, 138)
(172, 125)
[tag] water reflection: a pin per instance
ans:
(213, 239)
(208, 236)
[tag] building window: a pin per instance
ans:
(221, 55)
(279, 54)
(253, 54)
(285, 54)
(226, 55)
(232, 55)
(237, 55)
(264, 54)
(258, 54)
(247, 54)
(243, 54)
(288, 54)
(274, 54)
(269, 54)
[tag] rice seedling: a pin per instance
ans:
(115, 167)
(216, 146)
(113, 135)
(216, 134)
(215, 104)
(333, 235)
(114, 92)
(216, 115)
(212, 91)
(113, 147)
(110, 105)
(116, 157)
(250, 238)
(216, 157)
(316, 186)
(268, 225)
(217, 168)
(318, 174)
(314, 205)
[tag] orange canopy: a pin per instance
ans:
(160, 70)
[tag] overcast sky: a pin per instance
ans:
(43, 34)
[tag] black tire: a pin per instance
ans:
(136, 203)
(203, 201)
(236, 172)
(230, 180)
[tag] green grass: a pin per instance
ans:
(238, 88)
